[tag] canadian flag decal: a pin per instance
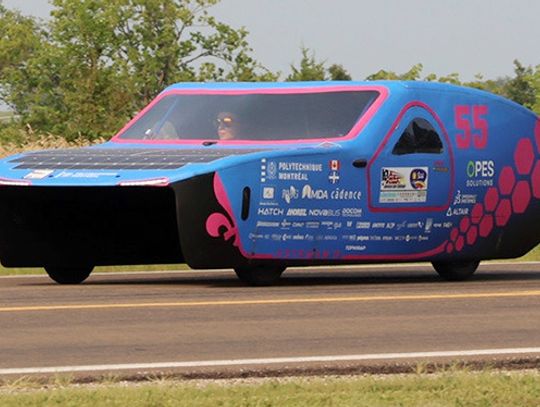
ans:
(334, 165)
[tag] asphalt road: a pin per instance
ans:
(143, 318)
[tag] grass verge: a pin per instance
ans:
(453, 388)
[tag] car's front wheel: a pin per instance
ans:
(69, 274)
(455, 270)
(259, 275)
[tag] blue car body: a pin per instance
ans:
(424, 172)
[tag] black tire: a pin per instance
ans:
(259, 276)
(69, 274)
(456, 270)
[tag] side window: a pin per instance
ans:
(418, 137)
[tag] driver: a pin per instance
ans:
(227, 126)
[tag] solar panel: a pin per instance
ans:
(120, 159)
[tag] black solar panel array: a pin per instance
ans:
(120, 159)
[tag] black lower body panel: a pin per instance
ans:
(41, 226)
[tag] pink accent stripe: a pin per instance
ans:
(383, 144)
(360, 124)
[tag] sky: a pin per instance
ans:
(464, 36)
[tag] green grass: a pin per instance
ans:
(458, 388)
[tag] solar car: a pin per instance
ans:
(259, 177)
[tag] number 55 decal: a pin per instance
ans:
(474, 126)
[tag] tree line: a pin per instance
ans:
(94, 63)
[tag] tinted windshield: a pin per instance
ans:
(252, 116)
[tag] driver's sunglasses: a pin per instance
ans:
(224, 122)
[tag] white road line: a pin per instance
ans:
(269, 361)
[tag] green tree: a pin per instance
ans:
(520, 88)
(310, 69)
(97, 62)
(338, 73)
(535, 80)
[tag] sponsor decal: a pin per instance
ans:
(272, 170)
(363, 225)
(333, 177)
(288, 171)
(480, 173)
(309, 193)
(339, 194)
(324, 212)
(335, 165)
(418, 178)
(403, 196)
(404, 185)
(289, 194)
(80, 174)
(38, 174)
(304, 167)
(297, 212)
(351, 212)
(457, 211)
(267, 224)
(355, 248)
(464, 199)
(268, 192)
(270, 211)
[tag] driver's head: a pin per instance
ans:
(227, 126)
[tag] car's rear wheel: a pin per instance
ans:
(455, 270)
(259, 275)
(69, 274)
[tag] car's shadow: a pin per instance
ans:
(317, 278)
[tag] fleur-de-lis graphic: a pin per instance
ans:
(217, 224)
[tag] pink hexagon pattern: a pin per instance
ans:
(524, 156)
(491, 199)
(454, 234)
(535, 180)
(477, 213)
(464, 225)
(537, 135)
(460, 243)
(521, 197)
(503, 212)
(486, 225)
(507, 180)
(472, 234)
